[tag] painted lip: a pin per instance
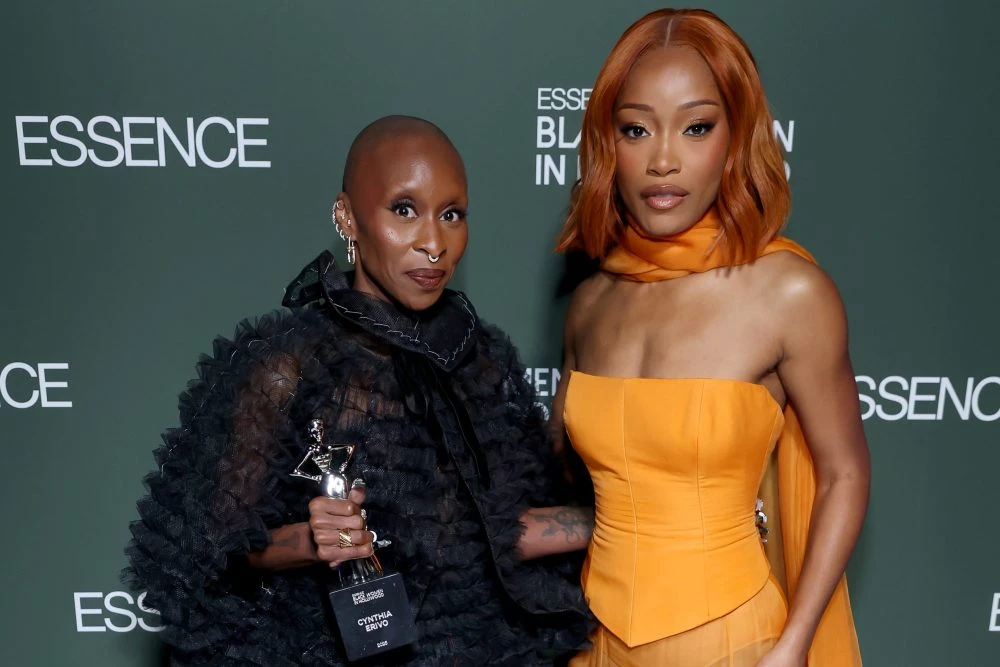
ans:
(429, 279)
(663, 197)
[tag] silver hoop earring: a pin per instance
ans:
(340, 230)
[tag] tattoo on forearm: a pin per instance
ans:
(573, 524)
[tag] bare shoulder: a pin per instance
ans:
(806, 306)
(588, 294)
(586, 297)
(794, 284)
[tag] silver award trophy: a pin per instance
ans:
(371, 606)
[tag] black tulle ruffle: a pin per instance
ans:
(223, 482)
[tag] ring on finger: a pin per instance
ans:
(364, 514)
(344, 538)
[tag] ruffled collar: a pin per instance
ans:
(444, 333)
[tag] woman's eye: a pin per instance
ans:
(404, 210)
(634, 131)
(699, 129)
(453, 215)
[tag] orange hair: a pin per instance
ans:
(754, 197)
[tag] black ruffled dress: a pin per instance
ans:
(450, 444)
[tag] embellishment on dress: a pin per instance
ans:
(761, 520)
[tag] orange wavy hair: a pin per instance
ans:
(754, 197)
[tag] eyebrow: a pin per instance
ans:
(698, 103)
(686, 105)
(635, 105)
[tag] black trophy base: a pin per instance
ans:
(374, 616)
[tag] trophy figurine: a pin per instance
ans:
(371, 606)
(333, 484)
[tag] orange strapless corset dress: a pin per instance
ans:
(676, 571)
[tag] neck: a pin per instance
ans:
(708, 220)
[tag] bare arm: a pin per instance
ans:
(291, 546)
(580, 304)
(300, 544)
(555, 530)
(557, 429)
(816, 373)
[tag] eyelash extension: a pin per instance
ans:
(624, 130)
(708, 125)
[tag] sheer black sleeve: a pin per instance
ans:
(218, 488)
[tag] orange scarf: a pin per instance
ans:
(644, 259)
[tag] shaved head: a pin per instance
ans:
(386, 129)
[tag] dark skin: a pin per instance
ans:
(779, 322)
(404, 202)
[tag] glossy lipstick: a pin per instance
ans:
(663, 197)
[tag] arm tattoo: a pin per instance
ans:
(574, 524)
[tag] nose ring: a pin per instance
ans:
(434, 260)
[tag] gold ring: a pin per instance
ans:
(345, 538)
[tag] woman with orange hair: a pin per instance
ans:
(706, 346)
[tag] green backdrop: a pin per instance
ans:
(133, 235)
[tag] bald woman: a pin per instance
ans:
(235, 553)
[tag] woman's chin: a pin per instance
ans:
(662, 226)
(421, 301)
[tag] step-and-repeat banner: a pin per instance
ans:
(167, 168)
